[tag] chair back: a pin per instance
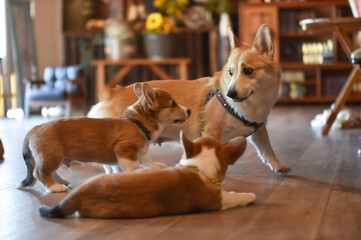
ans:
(73, 72)
(60, 75)
(49, 77)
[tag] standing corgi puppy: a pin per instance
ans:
(234, 102)
(194, 185)
(120, 141)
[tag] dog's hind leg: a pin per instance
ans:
(260, 141)
(44, 172)
(233, 199)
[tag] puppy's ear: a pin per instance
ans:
(188, 145)
(233, 40)
(149, 94)
(138, 89)
(233, 149)
(263, 42)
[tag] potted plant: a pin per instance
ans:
(160, 28)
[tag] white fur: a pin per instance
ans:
(206, 161)
(233, 199)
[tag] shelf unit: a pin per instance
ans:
(320, 82)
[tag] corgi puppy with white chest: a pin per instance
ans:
(192, 186)
(121, 140)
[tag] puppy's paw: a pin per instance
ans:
(282, 168)
(250, 198)
(56, 188)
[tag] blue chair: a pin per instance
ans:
(64, 86)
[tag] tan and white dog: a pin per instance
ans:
(245, 91)
(120, 141)
(192, 186)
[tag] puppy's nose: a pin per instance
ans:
(232, 93)
(189, 112)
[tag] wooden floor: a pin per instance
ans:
(319, 199)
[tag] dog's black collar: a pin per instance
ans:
(229, 109)
(141, 127)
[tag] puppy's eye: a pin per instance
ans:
(174, 104)
(247, 71)
(230, 72)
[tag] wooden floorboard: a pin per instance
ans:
(319, 199)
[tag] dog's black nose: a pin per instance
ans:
(232, 93)
(189, 112)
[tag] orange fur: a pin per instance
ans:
(107, 141)
(254, 96)
(152, 192)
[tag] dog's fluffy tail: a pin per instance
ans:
(69, 205)
(30, 164)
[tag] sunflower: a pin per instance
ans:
(154, 21)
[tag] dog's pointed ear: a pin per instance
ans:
(149, 94)
(234, 149)
(233, 40)
(263, 42)
(138, 89)
(188, 145)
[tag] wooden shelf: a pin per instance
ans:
(303, 35)
(281, 17)
(316, 100)
(297, 65)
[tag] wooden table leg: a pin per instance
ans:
(159, 72)
(183, 71)
(100, 80)
(119, 76)
(341, 98)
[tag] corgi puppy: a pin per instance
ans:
(121, 140)
(194, 185)
(234, 102)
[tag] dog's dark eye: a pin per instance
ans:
(230, 72)
(247, 71)
(174, 104)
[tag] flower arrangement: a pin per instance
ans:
(157, 23)
(164, 20)
(172, 7)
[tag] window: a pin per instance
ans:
(2, 29)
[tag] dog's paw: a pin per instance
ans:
(56, 188)
(282, 168)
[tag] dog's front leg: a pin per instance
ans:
(127, 158)
(233, 199)
(260, 141)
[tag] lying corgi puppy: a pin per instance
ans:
(121, 140)
(234, 102)
(192, 186)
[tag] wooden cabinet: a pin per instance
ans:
(314, 66)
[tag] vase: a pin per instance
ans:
(159, 46)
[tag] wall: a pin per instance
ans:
(48, 33)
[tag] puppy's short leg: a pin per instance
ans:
(260, 141)
(60, 179)
(149, 163)
(128, 165)
(127, 157)
(45, 177)
(233, 199)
